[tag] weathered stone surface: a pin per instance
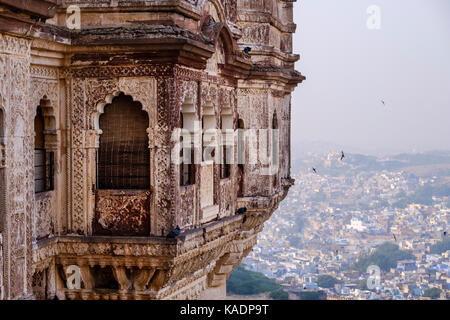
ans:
(189, 56)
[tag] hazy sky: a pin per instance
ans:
(350, 68)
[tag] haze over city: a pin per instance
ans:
(351, 68)
(383, 96)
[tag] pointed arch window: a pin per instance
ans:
(43, 159)
(123, 156)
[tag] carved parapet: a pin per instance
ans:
(43, 219)
(120, 212)
(149, 267)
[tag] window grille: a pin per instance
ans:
(43, 160)
(43, 170)
(123, 157)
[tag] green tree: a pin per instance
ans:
(243, 281)
(309, 295)
(326, 281)
(441, 246)
(295, 241)
(432, 293)
(385, 256)
(363, 284)
(279, 295)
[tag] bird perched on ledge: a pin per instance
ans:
(247, 50)
(174, 232)
(241, 210)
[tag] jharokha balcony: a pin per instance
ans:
(141, 152)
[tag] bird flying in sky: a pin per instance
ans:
(314, 170)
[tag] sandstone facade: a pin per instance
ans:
(180, 61)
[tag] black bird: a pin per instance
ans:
(384, 103)
(241, 210)
(174, 232)
(395, 238)
(342, 155)
(247, 50)
(445, 233)
(314, 170)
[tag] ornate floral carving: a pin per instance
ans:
(44, 72)
(43, 221)
(187, 207)
(78, 113)
(122, 212)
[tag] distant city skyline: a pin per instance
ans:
(350, 69)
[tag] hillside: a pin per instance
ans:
(385, 256)
(246, 282)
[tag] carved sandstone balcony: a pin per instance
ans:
(150, 267)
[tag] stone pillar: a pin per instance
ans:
(1, 267)
(19, 168)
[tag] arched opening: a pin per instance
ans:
(241, 157)
(187, 167)
(43, 159)
(226, 126)
(123, 158)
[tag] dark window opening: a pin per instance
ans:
(241, 143)
(226, 122)
(123, 158)
(187, 171)
(43, 159)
